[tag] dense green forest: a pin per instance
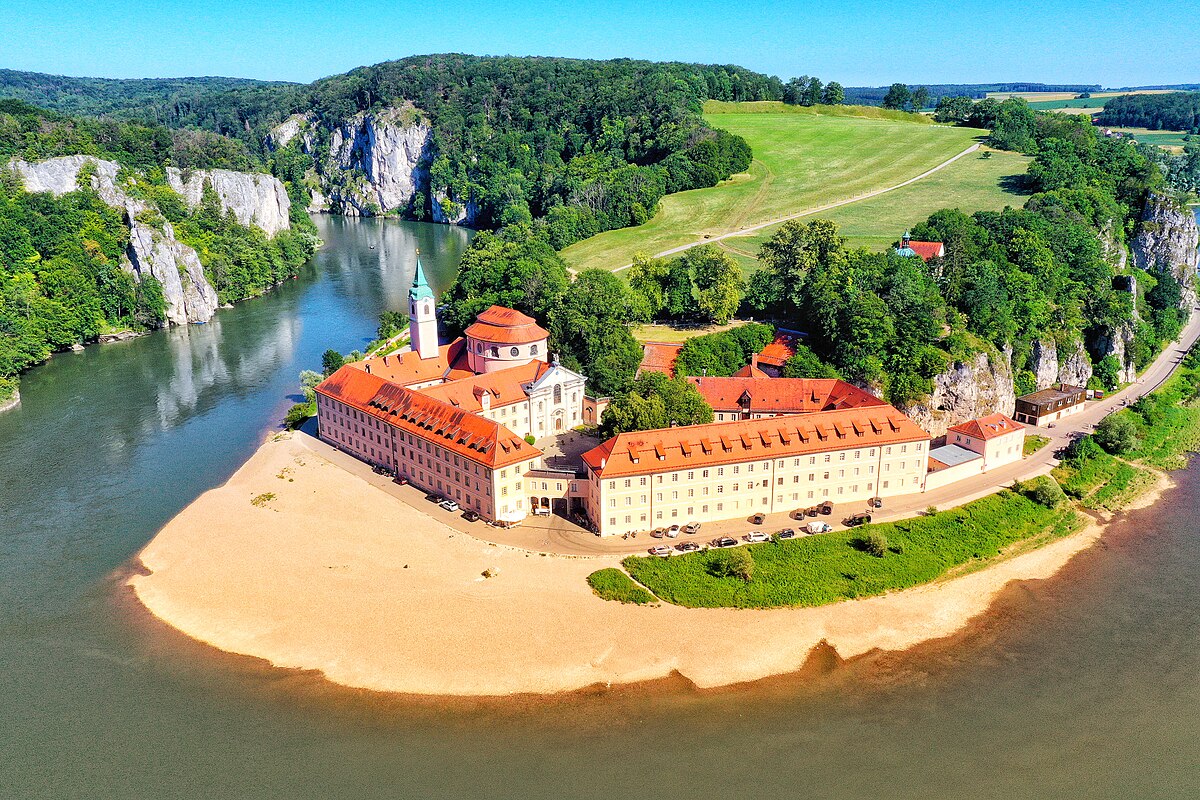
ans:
(580, 146)
(874, 95)
(1009, 278)
(61, 277)
(1177, 111)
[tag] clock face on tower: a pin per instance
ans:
(516, 351)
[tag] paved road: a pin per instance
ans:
(558, 536)
(809, 212)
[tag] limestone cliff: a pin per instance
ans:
(154, 250)
(372, 163)
(1118, 343)
(254, 199)
(1166, 241)
(982, 384)
(1052, 364)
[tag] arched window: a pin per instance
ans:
(516, 351)
(533, 349)
(557, 393)
(479, 347)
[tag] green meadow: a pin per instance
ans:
(802, 160)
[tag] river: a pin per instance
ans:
(1086, 685)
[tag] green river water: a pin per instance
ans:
(1086, 685)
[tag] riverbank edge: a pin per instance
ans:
(11, 401)
(892, 622)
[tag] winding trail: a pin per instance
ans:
(809, 212)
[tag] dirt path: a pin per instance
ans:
(742, 231)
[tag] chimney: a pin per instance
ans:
(754, 361)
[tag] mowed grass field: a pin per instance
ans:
(972, 183)
(801, 161)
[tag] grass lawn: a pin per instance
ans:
(677, 334)
(826, 568)
(801, 161)
(612, 584)
(972, 184)
(1033, 443)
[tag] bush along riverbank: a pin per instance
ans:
(1100, 472)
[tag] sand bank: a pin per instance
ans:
(329, 573)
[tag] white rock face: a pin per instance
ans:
(1119, 344)
(967, 390)
(189, 295)
(373, 163)
(1052, 366)
(1166, 242)
(1074, 365)
(254, 199)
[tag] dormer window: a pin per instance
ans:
(516, 351)
(533, 350)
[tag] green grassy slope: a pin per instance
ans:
(801, 161)
(972, 184)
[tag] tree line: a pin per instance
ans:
(1176, 111)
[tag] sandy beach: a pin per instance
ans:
(326, 572)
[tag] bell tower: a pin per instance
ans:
(422, 316)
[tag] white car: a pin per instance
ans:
(757, 536)
(449, 505)
(673, 532)
(819, 527)
(662, 551)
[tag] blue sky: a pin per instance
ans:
(854, 41)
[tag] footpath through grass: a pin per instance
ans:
(973, 183)
(826, 568)
(801, 161)
(612, 584)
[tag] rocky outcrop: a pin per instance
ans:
(254, 199)
(1117, 343)
(1113, 248)
(968, 389)
(372, 163)
(1166, 242)
(151, 250)
(1052, 365)
(11, 402)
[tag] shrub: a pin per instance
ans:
(931, 511)
(1118, 434)
(875, 543)
(612, 584)
(1046, 492)
(297, 415)
(530, 438)
(737, 563)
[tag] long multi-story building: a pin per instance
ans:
(452, 419)
(726, 470)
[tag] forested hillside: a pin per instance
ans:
(65, 277)
(1177, 111)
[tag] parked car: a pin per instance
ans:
(541, 512)
(687, 547)
(757, 536)
(379, 469)
(724, 541)
(449, 505)
(758, 518)
(471, 516)
(662, 551)
(826, 507)
(673, 532)
(658, 533)
(691, 528)
(875, 502)
(403, 481)
(855, 520)
(433, 498)
(818, 527)
(787, 533)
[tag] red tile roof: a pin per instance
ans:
(751, 370)
(409, 368)
(782, 395)
(471, 436)
(781, 348)
(927, 250)
(988, 427)
(670, 449)
(506, 326)
(659, 357)
(505, 386)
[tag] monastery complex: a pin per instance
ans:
(461, 420)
